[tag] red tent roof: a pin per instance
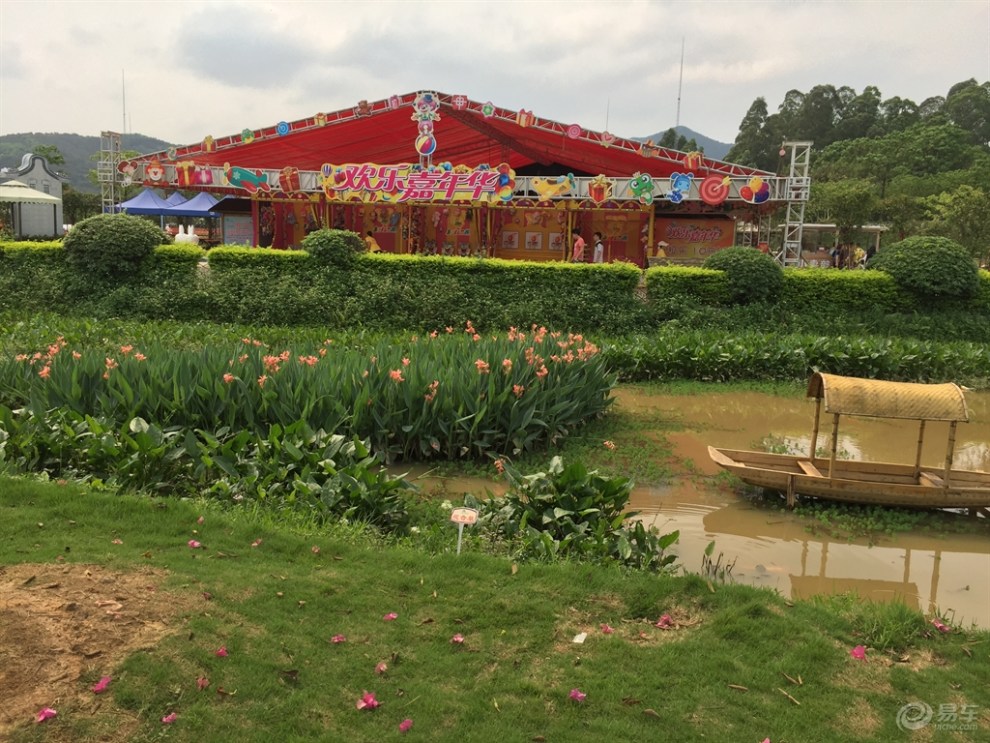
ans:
(467, 132)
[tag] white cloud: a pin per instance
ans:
(214, 67)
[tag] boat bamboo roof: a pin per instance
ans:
(881, 399)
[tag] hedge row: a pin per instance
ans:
(259, 287)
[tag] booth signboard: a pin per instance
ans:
(693, 239)
(238, 229)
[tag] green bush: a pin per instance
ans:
(753, 276)
(112, 245)
(335, 247)
(930, 268)
(571, 512)
(680, 284)
(830, 292)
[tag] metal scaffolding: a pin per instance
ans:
(798, 191)
(107, 170)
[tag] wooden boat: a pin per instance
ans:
(880, 483)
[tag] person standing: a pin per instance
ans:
(372, 243)
(599, 252)
(577, 254)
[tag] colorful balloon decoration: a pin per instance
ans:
(756, 191)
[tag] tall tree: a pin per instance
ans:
(860, 116)
(968, 107)
(963, 215)
(50, 152)
(849, 204)
(897, 114)
(756, 144)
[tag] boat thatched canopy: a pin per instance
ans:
(882, 399)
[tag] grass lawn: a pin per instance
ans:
(94, 585)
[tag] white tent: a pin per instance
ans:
(15, 192)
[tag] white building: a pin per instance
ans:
(36, 219)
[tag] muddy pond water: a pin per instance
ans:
(941, 572)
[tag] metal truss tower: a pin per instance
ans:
(798, 191)
(107, 170)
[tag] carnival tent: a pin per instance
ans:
(175, 199)
(15, 192)
(465, 131)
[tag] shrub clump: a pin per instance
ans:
(334, 247)
(929, 267)
(112, 245)
(752, 276)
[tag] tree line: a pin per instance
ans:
(920, 168)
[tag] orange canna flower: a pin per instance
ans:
(140, 356)
(45, 372)
(228, 378)
(506, 365)
(481, 366)
(396, 375)
(126, 349)
(262, 379)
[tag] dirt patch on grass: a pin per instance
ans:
(62, 627)
(669, 627)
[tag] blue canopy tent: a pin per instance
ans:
(199, 205)
(146, 203)
(175, 199)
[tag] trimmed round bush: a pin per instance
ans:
(112, 245)
(930, 267)
(335, 247)
(752, 276)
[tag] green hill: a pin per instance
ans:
(81, 153)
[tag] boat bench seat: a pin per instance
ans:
(931, 480)
(809, 468)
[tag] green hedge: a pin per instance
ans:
(281, 287)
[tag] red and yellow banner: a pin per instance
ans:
(693, 238)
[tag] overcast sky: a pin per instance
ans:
(196, 68)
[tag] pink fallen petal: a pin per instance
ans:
(405, 725)
(665, 622)
(314, 549)
(45, 713)
(101, 686)
(608, 629)
(200, 520)
(390, 617)
(457, 639)
(256, 543)
(367, 701)
(193, 544)
(202, 682)
(766, 740)
(577, 695)
(169, 718)
(858, 652)
(337, 639)
(381, 668)
(940, 626)
(117, 541)
(221, 652)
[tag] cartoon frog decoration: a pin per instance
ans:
(641, 186)
(680, 186)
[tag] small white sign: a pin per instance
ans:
(464, 516)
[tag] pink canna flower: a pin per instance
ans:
(169, 718)
(337, 639)
(221, 652)
(390, 617)
(577, 695)
(100, 686)
(457, 639)
(405, 725)
(45, 713)
(858, 652)
(367, 701)
(193, 544)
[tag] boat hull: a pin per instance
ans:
(880, 483)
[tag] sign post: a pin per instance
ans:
(462, 516)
